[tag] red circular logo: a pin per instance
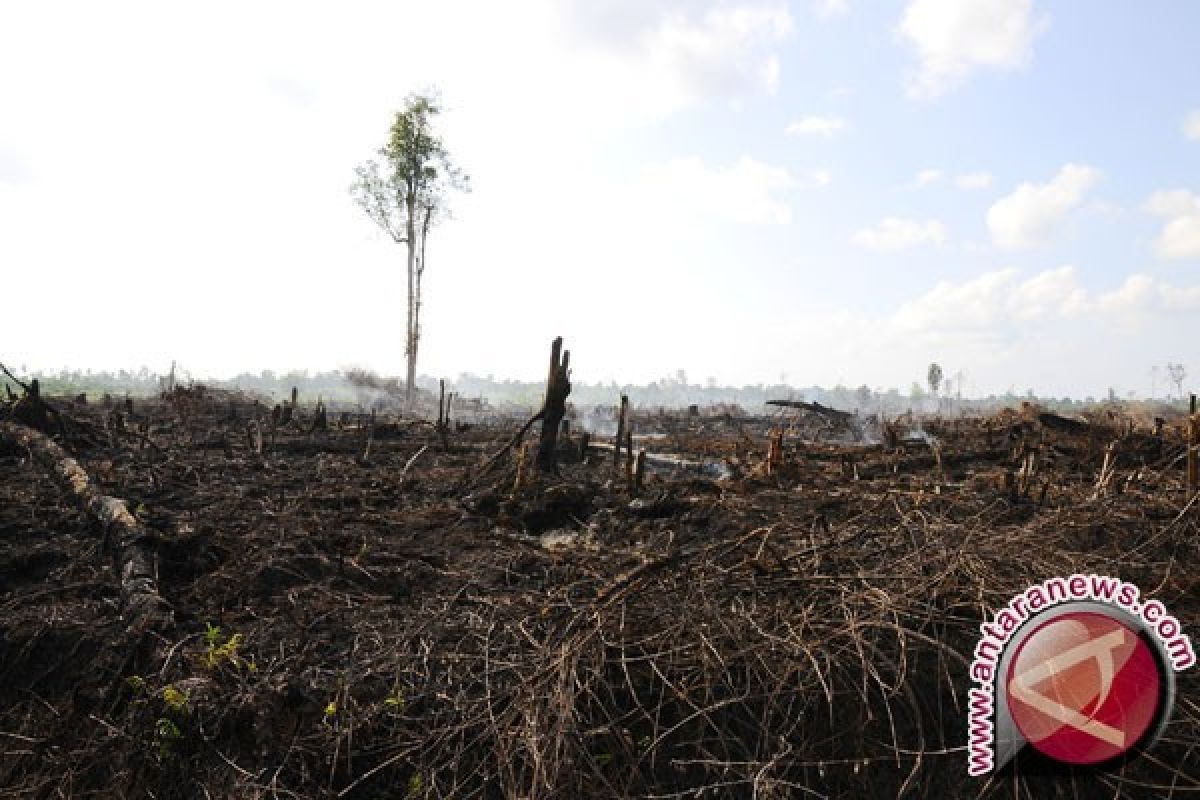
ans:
(1083, 688)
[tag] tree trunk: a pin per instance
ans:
(558, 386)
(410, 347)
(133, 562)
(620, 438)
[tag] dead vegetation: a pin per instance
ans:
(360, 610)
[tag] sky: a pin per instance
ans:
(819, 191)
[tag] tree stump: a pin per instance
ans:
(31, 410)
(629, 456)
(441, 418)
(621, 424)
(639, 472)
(1193, 450)
(558, 387)
(320, 420)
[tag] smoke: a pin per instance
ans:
(599, 421)
(365, 379)
(919, 434)
(374, 392)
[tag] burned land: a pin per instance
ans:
(309, 603)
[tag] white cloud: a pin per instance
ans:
(1180, 236)
(976, 303)
(1033, 213)
(1055, 292)
(1191, 126)
(953, 38)
(830, 8)
(680, 54)
(994, 300)
(821, 177)
(816, 126)
(744, 192)
(894, 233)
(1179, 298)
(1136, 293)
(974, 180)
(927, 176)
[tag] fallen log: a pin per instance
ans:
(1058, 422)
(671, 460)
(132, 561)
(816, 408)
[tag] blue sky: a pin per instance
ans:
(831, 190)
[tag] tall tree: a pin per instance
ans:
(404, 192)
(1177, 373)
(934, 376)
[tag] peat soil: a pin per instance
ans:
(408, 625)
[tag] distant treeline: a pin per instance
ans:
(335, 388)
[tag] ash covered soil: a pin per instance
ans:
(409, 625)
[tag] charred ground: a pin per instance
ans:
(407, 625)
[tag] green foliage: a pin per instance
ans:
(395, 702)
(166, 733)
(166, 730)
(220, 651)
(416, 787)
(175, 700)
(408, 184)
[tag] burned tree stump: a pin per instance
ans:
(441, 418)
(1193, 450)
(442, 427)
(621, 424)
(31, 410)
(320, 421)
(558, 387)
(629, 456)
(775, 452)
